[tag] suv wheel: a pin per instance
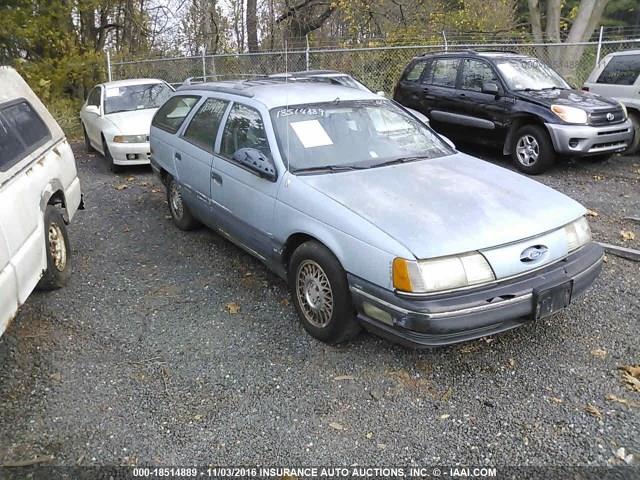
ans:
(635, 143)
(532, 150)
(321, 295)
(179, 210)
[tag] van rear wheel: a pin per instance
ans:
(180, 213)
(58, 251)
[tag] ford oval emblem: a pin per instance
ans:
(610, 116)
(532, 254)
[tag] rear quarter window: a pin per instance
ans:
(171, 115)
(415, 72)
(621, 70)
(22, 131)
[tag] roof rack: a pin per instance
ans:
(438, 52)
(213, 87)
(469, 51)
(495, 50)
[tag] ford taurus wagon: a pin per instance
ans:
(372, 218)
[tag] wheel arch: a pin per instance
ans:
(53, 194)
(296, 239)
(517, 123)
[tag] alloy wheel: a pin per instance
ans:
(527, 150)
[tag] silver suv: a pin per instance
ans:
(618, 76)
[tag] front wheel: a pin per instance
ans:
(320, 293)
(58, 252)
(635, 143)
(532, 150)
(109, 158)
(180, 213)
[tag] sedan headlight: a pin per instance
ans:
(570, 114)
(445, 273)
(130, 139)
(578, 234)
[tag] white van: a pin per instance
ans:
(39, 195)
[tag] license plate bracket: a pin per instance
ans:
(550, 300)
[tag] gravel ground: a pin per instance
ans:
(139, 361)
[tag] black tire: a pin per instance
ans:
(180, 213)
(634, 146)
(536, 137)
(109, 158)
(58, 251)
(337, 324)
(87, 143)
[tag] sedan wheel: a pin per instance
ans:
(314, 293)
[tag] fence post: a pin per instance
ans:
(109, 65)
(204, 64)
(444, 36)
(306, 52)
(599, 46)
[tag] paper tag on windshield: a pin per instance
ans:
(311, 134)
(113, 92)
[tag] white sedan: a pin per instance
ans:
(116, 119)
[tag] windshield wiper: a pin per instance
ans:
(328, 169)
(397, 161)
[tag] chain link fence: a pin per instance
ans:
(379, 68)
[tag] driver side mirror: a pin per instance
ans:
(257, 162)
(491, 88)
(92, 109)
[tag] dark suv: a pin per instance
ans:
(516, 101)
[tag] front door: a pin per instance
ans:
(248, 198)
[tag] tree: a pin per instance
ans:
(252, 26)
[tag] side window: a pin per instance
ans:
(22, 131)
(621, 70)
(203, 128)
(244, 129)
(444, 72)
(94, 97)
(415, 72)
(170, 116)
(475, 73)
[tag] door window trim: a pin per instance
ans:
(458, 72)
(181, 133)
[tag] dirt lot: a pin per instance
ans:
(141, 361)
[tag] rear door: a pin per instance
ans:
(485, 114)
(194, 158)
(440, 100)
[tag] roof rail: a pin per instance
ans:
(212, 87)
(438, 52)
(496, 50)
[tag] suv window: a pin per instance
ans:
(170, 116)
(244, 129)
(94, 97)
(475, 73)
(414, 74)
(22, 131)
(203, 128)
(621, 70)
(444, 72)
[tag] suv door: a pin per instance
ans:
(409, 91)
(441, 103)
(248, 198)
(486, 114)
(194, 158)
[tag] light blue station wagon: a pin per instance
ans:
(373, 219)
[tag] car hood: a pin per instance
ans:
(135, 122)
(574, 98)
(449, 205)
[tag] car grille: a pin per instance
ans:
(605, 117)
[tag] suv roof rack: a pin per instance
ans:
(232, 88)
(438, 52)
(469, 51)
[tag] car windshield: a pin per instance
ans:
(529, 74)
(135, 97)
(352, 134)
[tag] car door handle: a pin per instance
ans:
(216, 178)
(177, 156)
(462, 95)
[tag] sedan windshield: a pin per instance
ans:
(347, 135)
(135, 97)
(529, 74)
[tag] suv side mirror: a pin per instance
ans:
(256, 161)
(92, 109)
(491, 88)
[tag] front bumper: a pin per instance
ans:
(130, 153)
(585, 140)
(444, 319)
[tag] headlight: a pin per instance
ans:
(624, 109)
(443, 273)
(578, 233)
(570, 114)
(130, 139)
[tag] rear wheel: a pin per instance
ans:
(320, 293)
(87, 143)
(109, 158)
(532, 150)
(635, 143)
(180, 213)
(58, 251)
